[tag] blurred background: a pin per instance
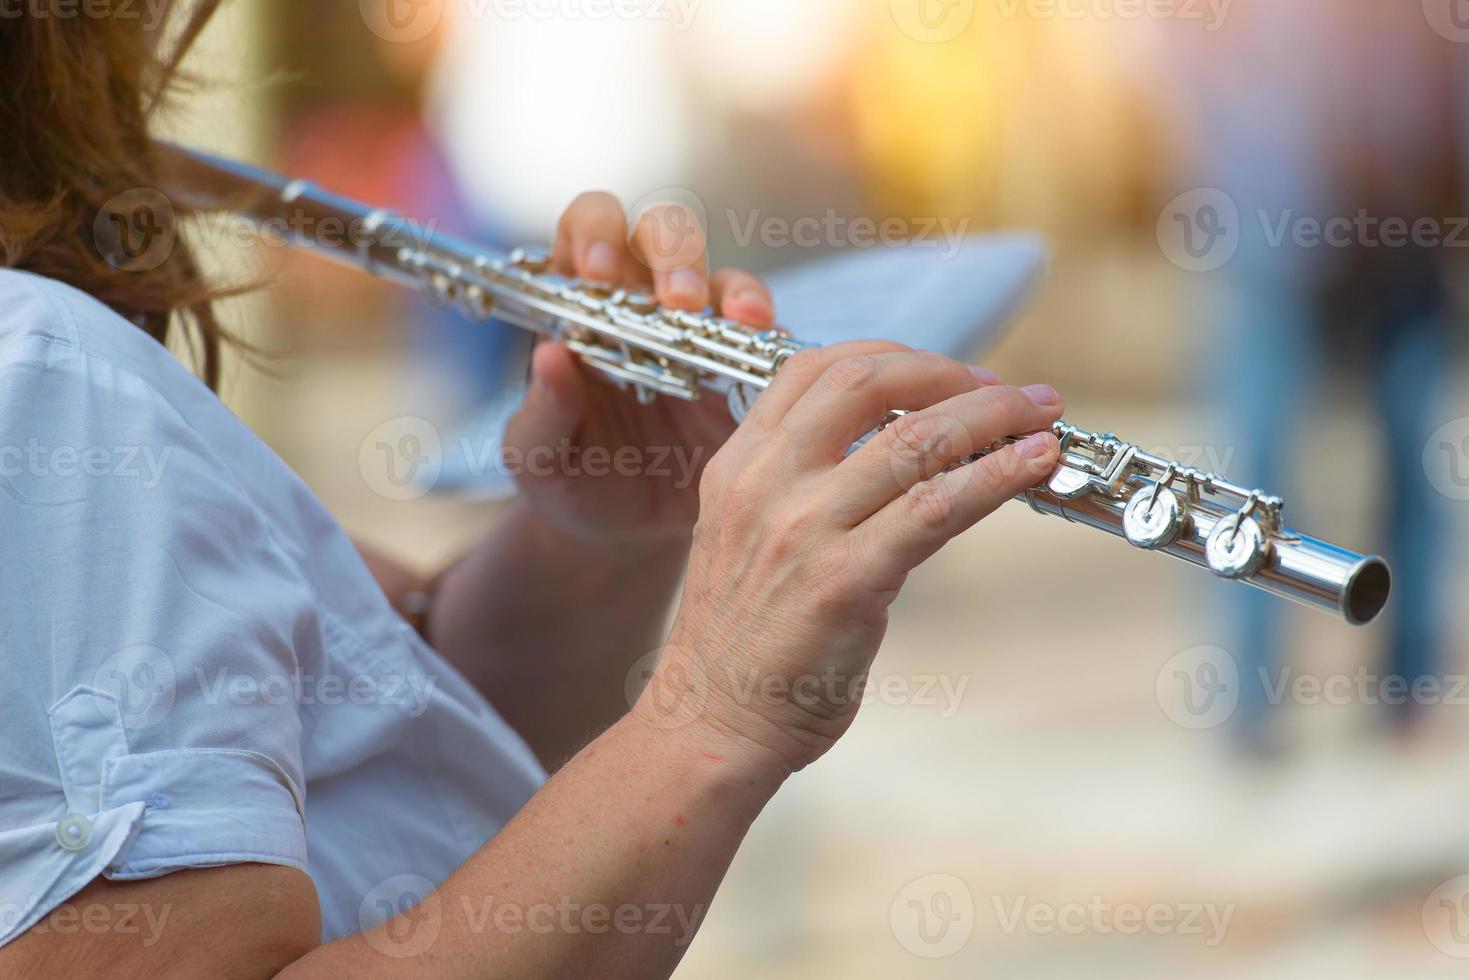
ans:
(1086, 761)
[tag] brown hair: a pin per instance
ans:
(77, 160)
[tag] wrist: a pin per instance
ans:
(688, 700)
(704, 743)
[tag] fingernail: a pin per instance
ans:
(685, 282)
(984, 375)
(1043, 395)
(1035, 446)
(601, 263)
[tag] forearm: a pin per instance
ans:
(606, 872)
(547, 625)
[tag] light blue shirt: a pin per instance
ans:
(198, 668)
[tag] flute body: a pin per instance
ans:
(1102, 481)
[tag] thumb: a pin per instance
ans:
(553, 403)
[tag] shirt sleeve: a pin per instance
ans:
(153, 631)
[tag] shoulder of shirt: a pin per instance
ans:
(53, 330)
(58, 331)
(41, 317)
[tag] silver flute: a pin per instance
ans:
(1156, 504)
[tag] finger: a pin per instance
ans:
(920, 445)
(591, 239)
(668, 240)
(797, 374)
(554, 402)
(908, 531)
(855, 394)
(743, 297)
(984, 374)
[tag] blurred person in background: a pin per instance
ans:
(156, 629)
(1327, 111)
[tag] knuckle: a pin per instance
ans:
(830, 574)
(878, 346)
(918, 437)
(933, 503)
(743, 492)
(1002, 475)
(706, 534)
(806, 363)
(795, 523)
(712, 479)
(852, 373)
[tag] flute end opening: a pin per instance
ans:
(1367, 591)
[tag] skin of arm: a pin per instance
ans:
(499, 614)
(566, 618)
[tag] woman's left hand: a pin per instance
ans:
(588, 458)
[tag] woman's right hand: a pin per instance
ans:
(800, 549)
